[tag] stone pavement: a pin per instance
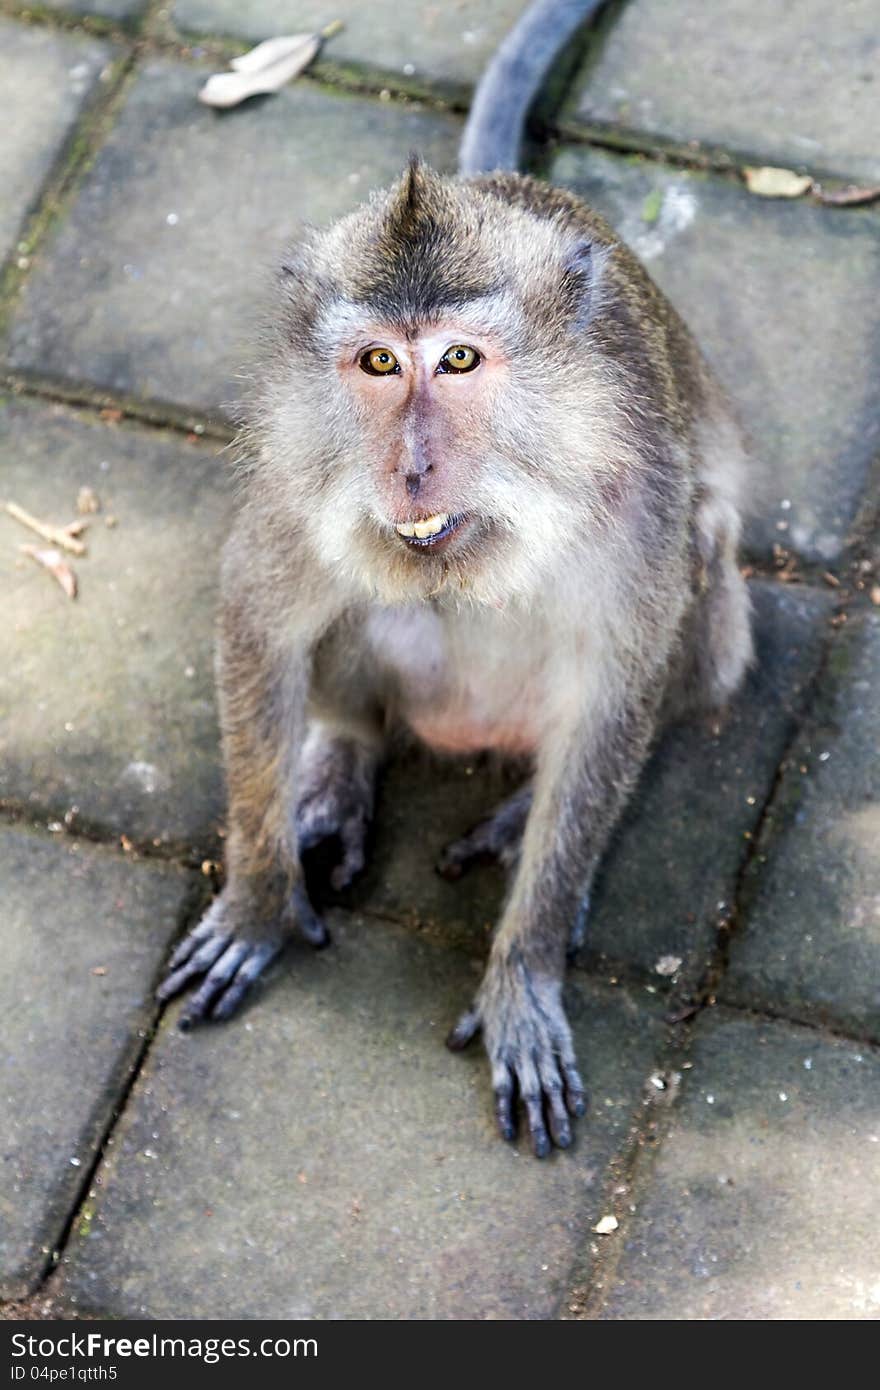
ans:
(324, 1155)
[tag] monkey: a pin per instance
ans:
(489, 494)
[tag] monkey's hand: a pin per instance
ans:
(529, 1044)
(231, 948)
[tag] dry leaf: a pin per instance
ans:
(606, 1225)
(54, 562)
(266, 68)
(768, 182)
(65, 536)
(849, 197)
(272, 51)
(875, 595)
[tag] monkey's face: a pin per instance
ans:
(445, 475)
(436, 412)
(425, 403)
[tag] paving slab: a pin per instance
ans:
(672, 869)
(50, 79)
(775, 83)
(196, 209)
(107, 702)
(762, 1202)
(326, 1157)
(810, 943)
(780, 296)
(444, 46)
(82, 932)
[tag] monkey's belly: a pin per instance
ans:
(464, 731)
(464, 685)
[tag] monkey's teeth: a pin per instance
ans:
(422, 529)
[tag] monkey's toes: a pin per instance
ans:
(498, 837)
(460, 855)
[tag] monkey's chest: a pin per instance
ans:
(461, 686)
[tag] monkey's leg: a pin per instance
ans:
(263, 689)
(336, 781)
(582, 782)
(498, 837)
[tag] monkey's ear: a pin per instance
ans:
(582, 278)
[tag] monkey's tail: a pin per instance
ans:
(506, 91)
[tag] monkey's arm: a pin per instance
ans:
(583, 780)
(263, 681)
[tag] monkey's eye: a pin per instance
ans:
(459, 358)
(379, 362)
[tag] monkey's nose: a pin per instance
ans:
(414, 480)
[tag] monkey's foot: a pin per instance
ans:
(336, 801)
(231, 959)
(498, 837)
(529, 1044)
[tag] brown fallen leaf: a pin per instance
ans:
(875, 595)
(265, 69)
(54, 562)
(769, 182)
(849, 197)
(64, 536)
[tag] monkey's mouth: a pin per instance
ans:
(432, 533)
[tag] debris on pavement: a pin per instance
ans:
(854, 195)
(67, 537)
(769, 182)
(606, 1225)
(87, 501)
(54, 562)
(266, 68)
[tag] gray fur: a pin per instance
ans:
(598, 468)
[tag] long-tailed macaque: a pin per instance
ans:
(489, 493)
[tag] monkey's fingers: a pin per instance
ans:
(228, 981)
(555, 1100)
(576, 1096)
(575, 1091)
(200, 934)
(248, 971)
(195, 963)
(502, 1085)
(465, 1030)
(214, 981)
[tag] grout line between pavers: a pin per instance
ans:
(93, 399)
(592, 1276)
(588, 1298)
(62, 183)
(14, 814)
(152, 34)
(86, 1191)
